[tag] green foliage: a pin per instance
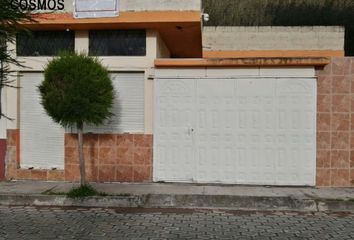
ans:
(77, 90)
(284, 13)
(10, 20)
(84, 191)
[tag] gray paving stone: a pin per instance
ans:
(56, 223)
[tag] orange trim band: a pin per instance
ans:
(242, 62)
(273, 54)
(123, 18)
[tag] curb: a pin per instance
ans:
(247, 203)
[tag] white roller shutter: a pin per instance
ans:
(41, 140)
(128, 105)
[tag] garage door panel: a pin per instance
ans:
(255, 89)
(253, 131)
(215, 88)
(295, 87)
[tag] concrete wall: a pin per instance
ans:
(160, 5)
(162, 50)
(151, 5)
(272, 38)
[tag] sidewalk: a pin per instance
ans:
(158, 195)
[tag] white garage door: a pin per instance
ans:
(41, 140)
(237, 131)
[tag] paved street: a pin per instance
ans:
(56, 223)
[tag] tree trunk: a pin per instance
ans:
(81, 154)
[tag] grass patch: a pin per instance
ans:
(84, 191)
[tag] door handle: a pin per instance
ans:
(190, 131)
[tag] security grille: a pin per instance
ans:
(117, 43)
(45, 43)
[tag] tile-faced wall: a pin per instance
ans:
(108, 158)
(111, 157)
(2, 158)
(335, 124)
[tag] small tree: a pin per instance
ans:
(77, 90)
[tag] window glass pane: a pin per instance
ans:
(117, 43)
(45, 43)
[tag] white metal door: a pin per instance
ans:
(173, 138)
(41, 140)
(246, 131)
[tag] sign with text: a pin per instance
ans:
(96, 8)
(37, 5)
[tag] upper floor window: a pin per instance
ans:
(117, 43)
(45, 43)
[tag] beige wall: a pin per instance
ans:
(150, 5)
(154, 48)
(160, 5)
(162, 50)
(3, 120)
(272, 38)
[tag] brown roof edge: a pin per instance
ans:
(244, 62)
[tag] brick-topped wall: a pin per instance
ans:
(108, 158)
(335, 124)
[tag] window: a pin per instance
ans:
(117, 43)
(45, 43)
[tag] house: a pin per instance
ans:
(230, 105)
